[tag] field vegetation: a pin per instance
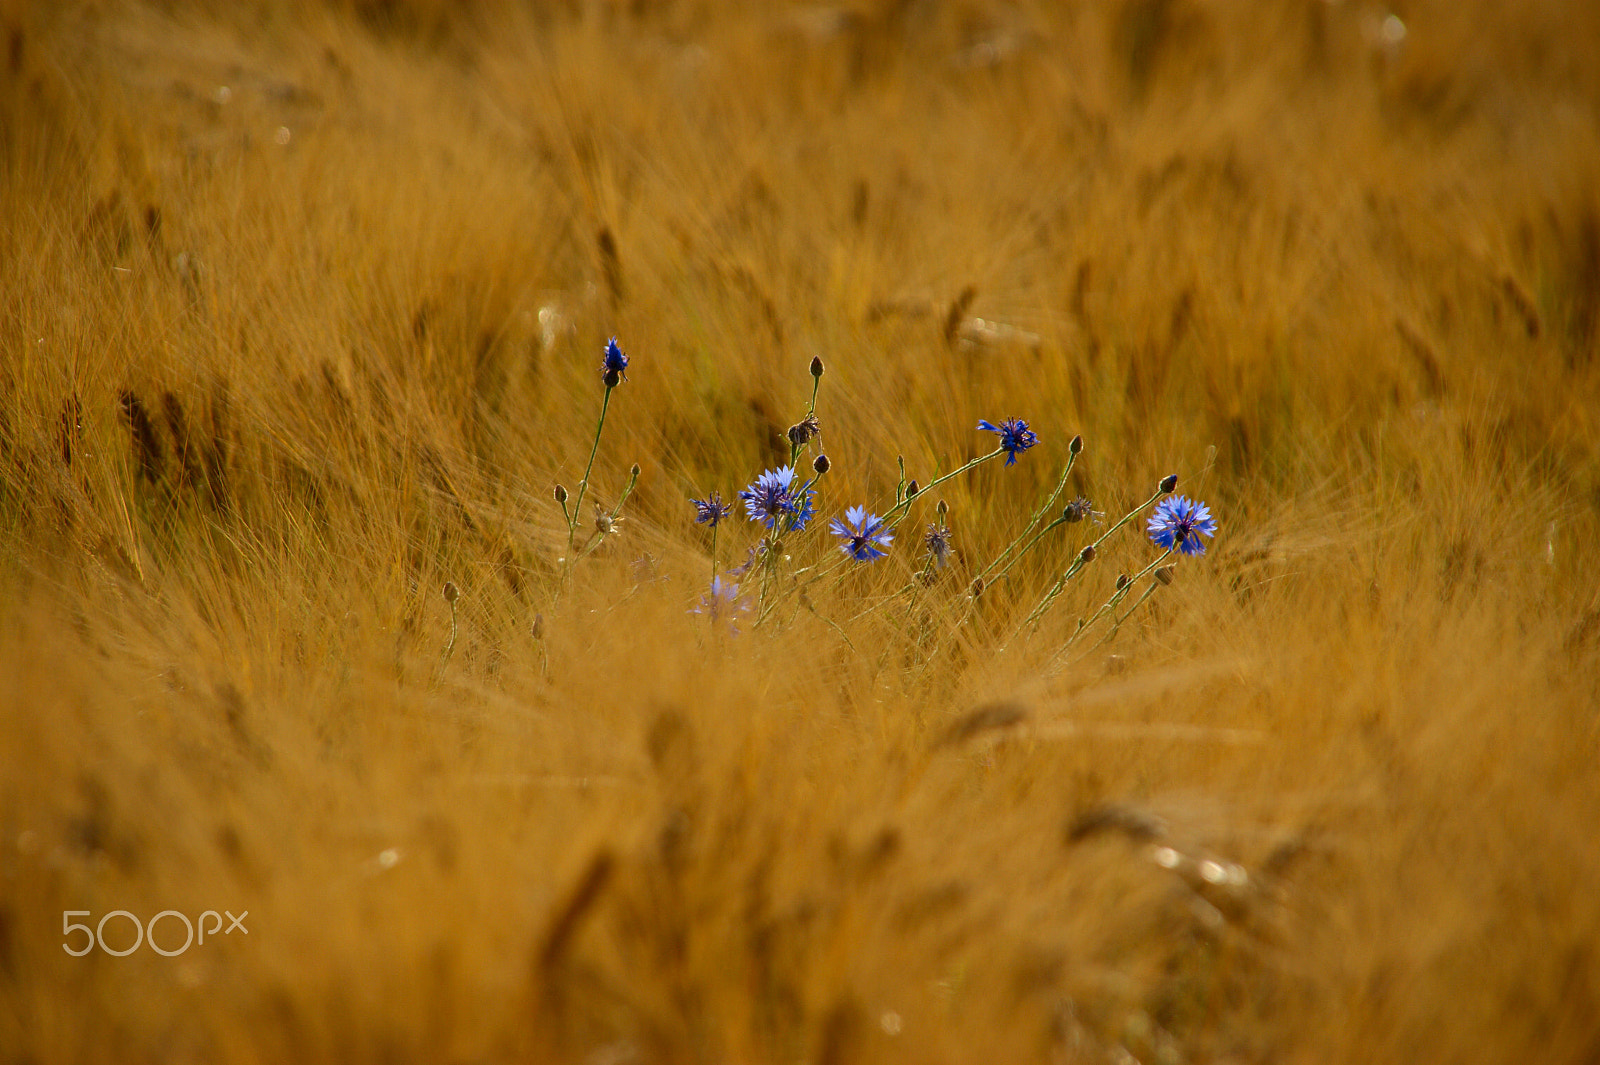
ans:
(303, 307)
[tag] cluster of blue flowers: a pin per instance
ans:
(784, 503)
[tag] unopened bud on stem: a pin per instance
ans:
(561, 493)
(816, 366)
(1169, 482)
(1075, 446)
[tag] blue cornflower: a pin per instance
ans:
(864, 534)
(722, 603)
(711, 510)
(1177, 523)
(616, 365)
(1015, 437)
(770, 498)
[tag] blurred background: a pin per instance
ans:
(302, 310)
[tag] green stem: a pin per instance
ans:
(1077, 561)
(583, 485)
(1038, 515)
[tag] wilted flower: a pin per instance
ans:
(804, 431)
(938, 541)
(1079, 509)
(604, 523)
(864, 534)
(711, 510)
(1015, 437)
(1177, 523)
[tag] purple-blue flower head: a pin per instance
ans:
(1178, 522)
(1015, 437)
(863, 533)
(722, 603)
(711, 510)
(615, 365)
(768, 498)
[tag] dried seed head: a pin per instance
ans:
(804, 431)
(561, 493)
(816, 366)
(1076, 510)
(1169, 482)
(821, 464)
(450, 592)
(1075, 445)
(1087, 554)
(1164, 574)
(604, 523)
(912, 489)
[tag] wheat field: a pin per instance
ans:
(302, 312)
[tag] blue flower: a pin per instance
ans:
(711, 510)
(1015, 437)
(1178, 522)
(722, 603)
(864, 534)
(616, 364)
(767, 499)
(774, 500)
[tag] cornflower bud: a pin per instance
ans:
(450, 592)
(821, 464)
(1075, 445)
(912, 489)
(1169, 482)
(816, 366)
(1087, 554)
(1164, 574)
(1122, 581)
(561, 493)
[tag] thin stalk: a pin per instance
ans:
(1078, 561)
(1116, 597)
(583, 485)
(1061, 486)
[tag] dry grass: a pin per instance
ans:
(277, 362)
